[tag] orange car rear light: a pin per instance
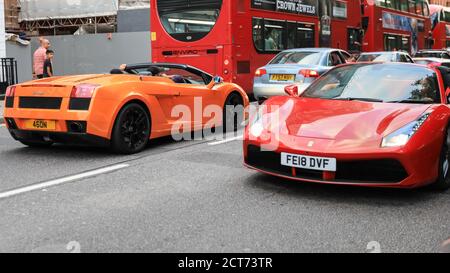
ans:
(83, 91)
(10, 91)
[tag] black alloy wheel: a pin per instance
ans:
(233, 113)
(131, 131)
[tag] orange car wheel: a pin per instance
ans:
(132, 129)
(233, 112)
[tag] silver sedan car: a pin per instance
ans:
(295, 66)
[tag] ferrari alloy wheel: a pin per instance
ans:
(131, 130)
(443, 181)
(233, 112)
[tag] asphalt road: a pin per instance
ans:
(196, 197)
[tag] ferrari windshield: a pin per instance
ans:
(396, 83)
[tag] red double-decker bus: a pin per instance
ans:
(232, 38)
(440, 20)
(397, 25)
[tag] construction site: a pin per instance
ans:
(67, 17)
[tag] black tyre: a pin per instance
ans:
(131, 131)
(233, 112)
(443, 181)
(36, 144)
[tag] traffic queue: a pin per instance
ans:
(325, 112)
(379, 121)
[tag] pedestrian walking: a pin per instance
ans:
(48, 64)
(39, 57)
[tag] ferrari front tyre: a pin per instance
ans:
(233, 112)
(36, 144)
(443, 181)
(131, 131)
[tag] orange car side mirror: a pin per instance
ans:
(215, 81)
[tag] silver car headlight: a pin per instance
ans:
(402, 136)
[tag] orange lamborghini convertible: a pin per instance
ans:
(123, 110)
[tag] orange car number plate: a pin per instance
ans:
(282, 77)
(36, 124)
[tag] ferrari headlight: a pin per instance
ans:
(403, 135)
(257, 127)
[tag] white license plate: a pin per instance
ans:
(309, 162)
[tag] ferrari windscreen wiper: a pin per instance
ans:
(360, 99)
(412, 101)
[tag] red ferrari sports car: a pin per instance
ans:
(375, 125)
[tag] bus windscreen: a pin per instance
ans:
(189, 20)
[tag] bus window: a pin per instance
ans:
(188, 22)
(258, 36)
(391, 4)
(340, 10)
(292, 35)
(404, 5)
(305, 35)
(412, 6)
(405, 44)
(274, 36)
(390, 43)
(380, 3)
(447, 16)
(426, 9)
(354, 44)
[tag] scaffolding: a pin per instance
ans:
(56, 17)
(12, 9)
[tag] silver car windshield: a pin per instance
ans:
(309, 58)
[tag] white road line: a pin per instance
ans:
(226, 140)
(63, 180)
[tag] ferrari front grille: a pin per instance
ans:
(40, 103)
(266, 161)
(384, 171)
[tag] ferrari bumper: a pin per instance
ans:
(389, 170)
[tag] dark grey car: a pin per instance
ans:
(295, 66)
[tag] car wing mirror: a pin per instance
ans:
(447, 94)
(295, 90)
(215, 81)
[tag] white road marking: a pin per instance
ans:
(63, 180)
(226, 140)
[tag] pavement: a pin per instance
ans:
(2, 105)
(195, 196)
